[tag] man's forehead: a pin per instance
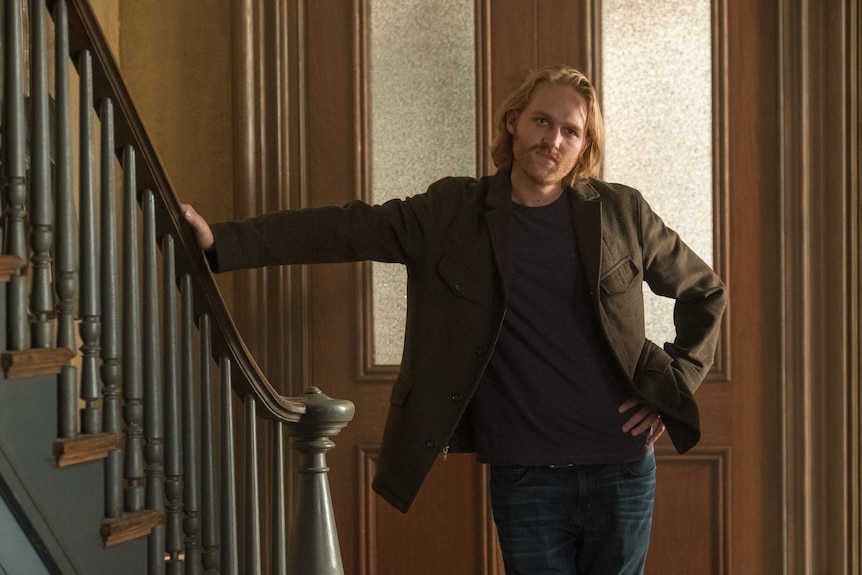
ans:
(558, 100)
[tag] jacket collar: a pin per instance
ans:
(500, 193)
(498, 216)
(586, 191)
(587, 216)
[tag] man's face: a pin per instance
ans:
(549, 135)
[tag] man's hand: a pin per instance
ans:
(644, 418)
(200, 228)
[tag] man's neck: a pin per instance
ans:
(529, 193)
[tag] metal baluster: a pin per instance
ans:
(15, 192)
(252, 499)
(313, 547)
(133, 411)
(41, 201)
(88, 300)
(110, 369)
(152, 372)
(229, 548)
(173, 410)
(209, 506)
(64, 262)
(191, 471)
(279, 519)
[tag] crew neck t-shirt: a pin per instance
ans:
(552, 388)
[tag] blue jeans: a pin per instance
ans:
(582, 519)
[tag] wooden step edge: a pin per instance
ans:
(10, 265)
(85, 448)
(129, 526)
(35, 361)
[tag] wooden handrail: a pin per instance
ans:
(86, 34)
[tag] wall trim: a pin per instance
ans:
(269, 111)
(819, 51)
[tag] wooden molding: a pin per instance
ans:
(721, 131)
(820, 488)
(366, 464)
(85, 448)
(33, 362)
(129, 526)
(697, 484)
(269, 171)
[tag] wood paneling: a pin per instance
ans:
(718, 509)
(717, 529)
(787, 75)
(521, 35)
(434, 532)
(820, 50)
(694, 488)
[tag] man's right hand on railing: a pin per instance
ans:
(200, 228)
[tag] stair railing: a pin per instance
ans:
(156, 387)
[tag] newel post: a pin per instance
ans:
(313, 548)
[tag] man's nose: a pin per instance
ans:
(553, 138)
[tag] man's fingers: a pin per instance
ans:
(631, 403)
(200, 227)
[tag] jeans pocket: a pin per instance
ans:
(509, 475)
(642, 467)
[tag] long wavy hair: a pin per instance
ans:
(590, 162)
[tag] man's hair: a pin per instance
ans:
(590, 162)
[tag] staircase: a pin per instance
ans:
(130, 410)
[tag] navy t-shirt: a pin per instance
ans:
(552, 388)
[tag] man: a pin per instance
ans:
(525, 332)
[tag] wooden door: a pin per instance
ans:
(717, 508)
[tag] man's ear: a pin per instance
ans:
(511, 120)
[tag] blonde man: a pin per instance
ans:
(525, 333)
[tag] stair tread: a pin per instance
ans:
(130, 526)
(9, 265)
(92, 447)
(34, 361)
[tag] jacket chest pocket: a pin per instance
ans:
(621, 277)
(466, 278)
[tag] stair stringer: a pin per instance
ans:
(60, 509)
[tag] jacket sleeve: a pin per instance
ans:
(674, 270)
(396, 231)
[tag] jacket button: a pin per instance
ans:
(430, 444)
(480, 350)
(459, 287)
(456, 397)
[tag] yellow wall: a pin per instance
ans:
(176, 60)
(107, 11)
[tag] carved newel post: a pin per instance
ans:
(313, 547)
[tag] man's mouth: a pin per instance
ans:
(548, 154)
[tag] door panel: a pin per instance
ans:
(716, 507)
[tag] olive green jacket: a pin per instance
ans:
(454, 240)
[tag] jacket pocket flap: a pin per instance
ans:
(457, 275)
(621, 277)
(653, 358)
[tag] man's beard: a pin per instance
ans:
(524, 157)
